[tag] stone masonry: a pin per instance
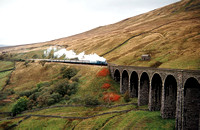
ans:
(176, 93)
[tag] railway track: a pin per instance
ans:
(87, 62)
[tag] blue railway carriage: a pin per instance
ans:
(102, 63)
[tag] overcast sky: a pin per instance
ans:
(32, 21)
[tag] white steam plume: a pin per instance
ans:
(72, 55)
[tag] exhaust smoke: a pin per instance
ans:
(58, 52)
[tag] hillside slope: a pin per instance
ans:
(71, 113)
(170, 34)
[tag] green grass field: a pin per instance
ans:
(4, 65)
(90, 84)
(3, 78)
(131, 120)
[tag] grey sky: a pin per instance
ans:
(32, 21)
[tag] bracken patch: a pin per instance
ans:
(106, 86)
(104, 72)
(111, 97)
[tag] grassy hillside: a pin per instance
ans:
(91, 80)
(4, 75)
(170, 34)
(131, 120)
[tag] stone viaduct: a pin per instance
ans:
(175, 93)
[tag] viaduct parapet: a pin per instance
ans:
(175, 93)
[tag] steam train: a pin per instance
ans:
(101, 63)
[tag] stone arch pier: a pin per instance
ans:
(175, 93)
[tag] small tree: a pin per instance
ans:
(42, 62)
(26, 63)
(127, 97)
(91, 101)
(20, 105)
(61, 87)
(69, 73)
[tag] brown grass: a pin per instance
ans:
(28, 77)
(170, 34)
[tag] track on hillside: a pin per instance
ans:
(85, 62)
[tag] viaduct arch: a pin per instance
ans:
(175, 93)
(134, 84)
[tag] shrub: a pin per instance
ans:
(111, 97)
(91, 101)
(43, 84)
(35, 95)
(69, 73)
(26, 63)
(50, 101)
(56, 96)
(104, 72)
(3, 95)
(75, 100)
(73, 88)
(127, 97)
(43, 99)
(27, 93)
(42, 62)
(66, 97)
(106, 86)
(61, 87)
(62, 69)
(75, 79)
(10, 91)
(20, 105)
(31, 104)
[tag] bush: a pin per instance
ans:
(50, 101)
(69, 73)
(104, 72)
(61, 87)
(73, 88)
(75, 79)
(42, 62)
(106, 86)
(31, 104)
(75, 100)
(56, 96)
(20, 105)
(3, 95)
(35, 95)
(127, 97)
(26, 63)
(42, 100)
(66, 97)
(10, 91)
(27, 93)
(62, 69)
(48, 93)
(91, 101)
(43, 84)
(111, 97)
